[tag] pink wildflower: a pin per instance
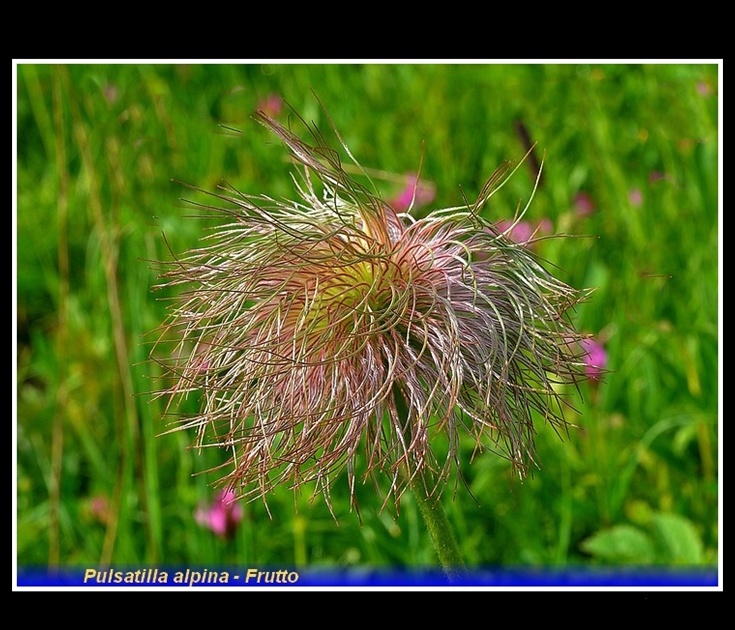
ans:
(523, 232)
(657, 176)
(703, 88)
(222, 516)
(584, 205)
(272, 105)
(595, 358)
(414, 194)
(99, 507)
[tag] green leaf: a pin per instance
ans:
(621, 543)
(677, 539)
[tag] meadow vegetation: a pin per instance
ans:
(630, 177)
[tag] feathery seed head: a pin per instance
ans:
(333, 332)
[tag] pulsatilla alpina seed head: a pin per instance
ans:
(332, 333)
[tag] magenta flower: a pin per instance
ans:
(595, 358)
(524, 232)
(658, 176)
(584, 205)
(635, 196)
(99, 507)
(414, 195)
(332, 333)
(111, 92)
(703, 88)
(222, 516)
(272, 105)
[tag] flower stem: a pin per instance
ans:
(442, 536)
(441, 533)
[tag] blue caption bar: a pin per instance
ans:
(354, 577)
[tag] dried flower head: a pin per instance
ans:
(333, 332)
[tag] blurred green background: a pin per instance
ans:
(631, 168)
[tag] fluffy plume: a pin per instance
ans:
(333, 334)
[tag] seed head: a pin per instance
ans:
(332, 332)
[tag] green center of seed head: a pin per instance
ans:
(350, 292)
